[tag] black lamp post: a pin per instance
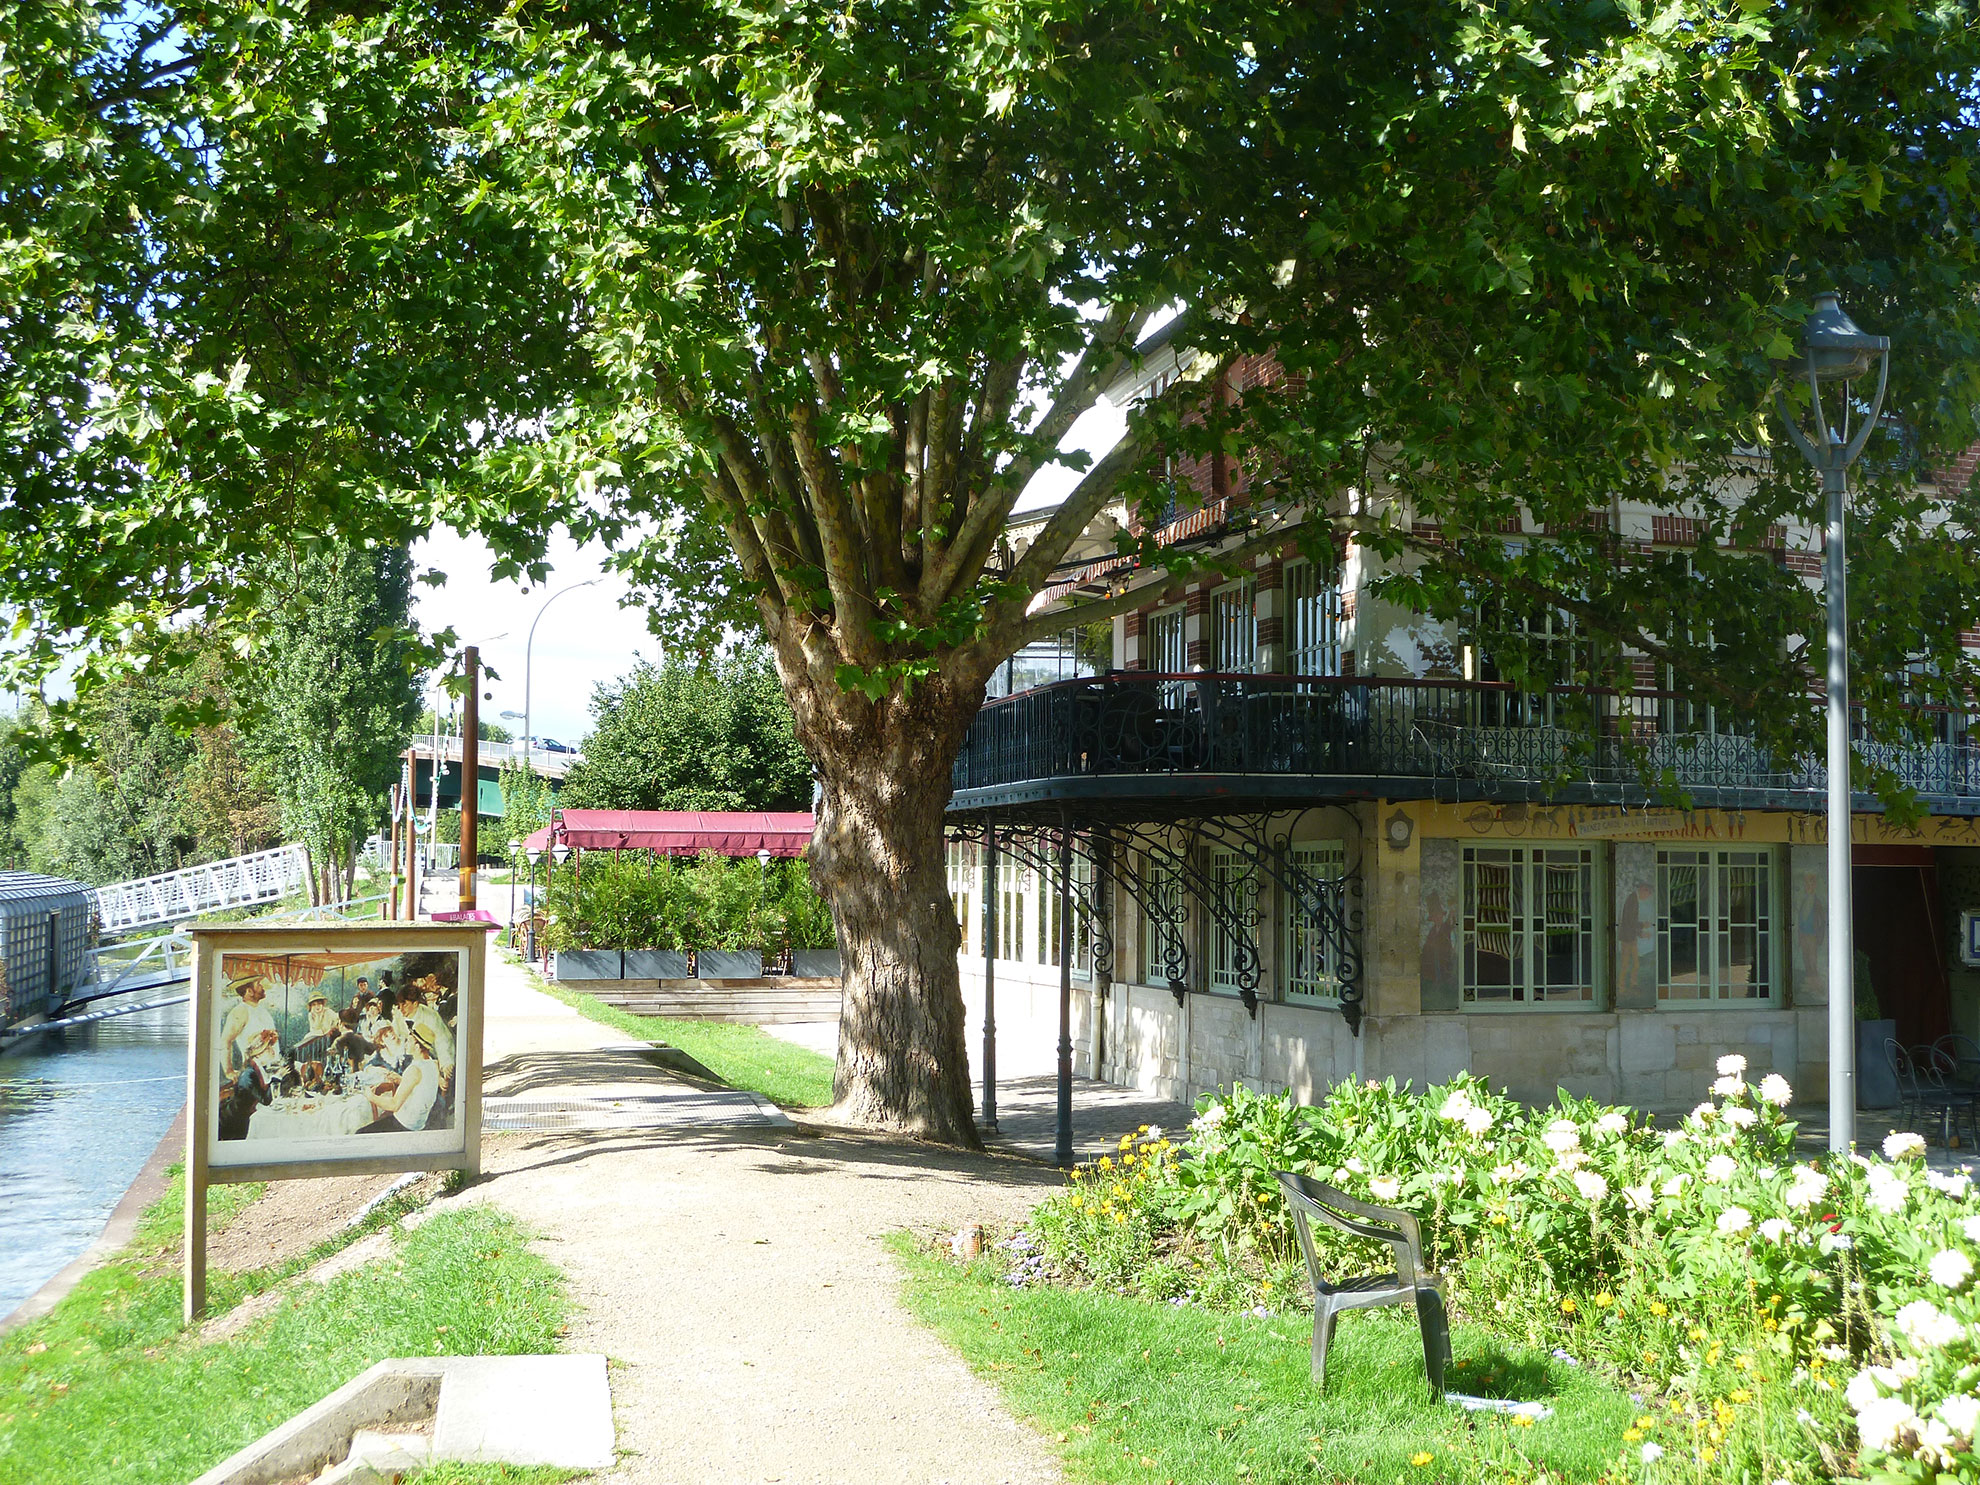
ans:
(1835, 352)
(535, 854)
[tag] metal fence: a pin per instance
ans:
(1458, 738)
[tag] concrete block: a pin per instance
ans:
(1687, 1033)
(819, 963)
(590, 964)
(1446, 1048)
(1647, 1042)
(525, 1410)
(656, 964)
(729, 964)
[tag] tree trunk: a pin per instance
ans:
(877, 858)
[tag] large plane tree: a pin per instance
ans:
(790, 301)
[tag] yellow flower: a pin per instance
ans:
(1772, 1324)
(1632, 1435)
(1522, 1420)
(1649, 1358)
(1646, 1421)
(1267, 1286)
(1696, 1333)
(1712, 1356)
(1498, 1219)
(1659, 1308)
(1744, 1363)
(1106, 1162)
(1708, 1454)
(1421, 1458)
(1128, 1159)
(1604, 1300)
(1740, 1395)
(1127, 1141)
(1816, 1363)
(1568, 1305)
(1077, 1201)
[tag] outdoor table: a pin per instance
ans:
(310, 1118)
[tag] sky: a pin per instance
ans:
(584, 638)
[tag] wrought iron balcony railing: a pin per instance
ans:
(1132, 733)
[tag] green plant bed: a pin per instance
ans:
(745, 1057)
(109, 1388)
(1137, 1391)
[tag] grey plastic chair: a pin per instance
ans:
(1411, 1283)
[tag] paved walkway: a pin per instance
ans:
(733, 1269)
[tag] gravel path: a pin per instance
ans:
(735, 1275)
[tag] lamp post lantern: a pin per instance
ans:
(529, 932)
(1835, 352)
(515, 854)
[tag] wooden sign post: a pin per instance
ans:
(279, 1087)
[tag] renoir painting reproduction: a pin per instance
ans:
(319, 1054)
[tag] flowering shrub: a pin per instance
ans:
(1780, 1310)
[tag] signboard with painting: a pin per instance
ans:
(330, 1049)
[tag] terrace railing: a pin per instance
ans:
(1463, 739)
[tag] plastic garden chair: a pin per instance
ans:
(1411, 1283)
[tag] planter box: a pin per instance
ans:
(586, 964)
(656, 964)
(729, 964)
(1876, 1084)
(816, 964)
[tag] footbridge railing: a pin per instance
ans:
(240, 881)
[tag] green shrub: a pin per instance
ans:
(628, 900)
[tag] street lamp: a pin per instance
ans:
(1835, 353)
(529, 648)
(515, 850)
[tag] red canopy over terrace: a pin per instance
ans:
(681, 832)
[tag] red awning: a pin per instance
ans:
(681, 832)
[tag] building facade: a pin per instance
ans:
(1301, 835)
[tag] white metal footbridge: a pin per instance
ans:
(240, 881)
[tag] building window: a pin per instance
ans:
(1234, 880)
(1529, 926)
(1313, 621)
(1234, 629)
(1165, 935)
(963, 880)
(1048, 917)
(1716, 925)
(1165, 653)
(1312, 959)
(1014, 885)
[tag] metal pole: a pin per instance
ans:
(392, 856)
(990, 982)
(470, 778)
(1842, 956)
(529, 650)
(1062, 1149)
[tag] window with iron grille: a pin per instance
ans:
(1529, 926)
(1234, 629)
(1717, 935)
(1234, 880)
(1311, 957)
(1015, 883)
(1164, 887)
(1048, 918)
(1313, 621)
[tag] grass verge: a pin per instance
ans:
(1137, 1392)
(108, 1388)
(745, 1057)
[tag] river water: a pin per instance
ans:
(80, 1112)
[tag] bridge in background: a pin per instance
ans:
(240, 881)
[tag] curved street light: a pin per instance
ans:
(529, 652)
(1835, 352)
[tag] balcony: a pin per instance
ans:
(1190, 744)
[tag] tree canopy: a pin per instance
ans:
(692, 734)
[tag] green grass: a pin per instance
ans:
(108, 1388)
(746, 1057)
(1137, 1392)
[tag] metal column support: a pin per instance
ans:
(989, 1120)
(1842, 958)
(1062, 1148)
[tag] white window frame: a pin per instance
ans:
(1016, 883)
(963, 880)
(1716, 927)
(1314, 621)
(1233, 627)
(1309, 964)
(1531, 868)
(1156, 631)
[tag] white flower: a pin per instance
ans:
(1971, 1227)
(1923, 1324)
(1591, 1186)
(1961, 1412)
(1776, 1229)
(1477, 1121)
(1561, 1136)
(1571, 1159)
(1675, 1185)
(1956, 1185)
(1950, 1269)
(1354, 1164)
(1154, 1134)
(1612, 1124)
(1705, 1112)
(1868, 1385)
(1735, 1219)
(1741, 1117)
(1768, 1172)
(1882, 1422)
(1903, 1145)
(1731, 1065)
(1385, 1188)
(1456, 1104)
(1502, 1175)
(1650, 1453)
(1638, 1197)
(1674, 1137)
(1935, 1442)
(1887, 1196)
(1729, 1087)
(1835, 1242)
(1720, 1169)
(1805, 1187)
(1210, 1118)
(1774, 1089)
